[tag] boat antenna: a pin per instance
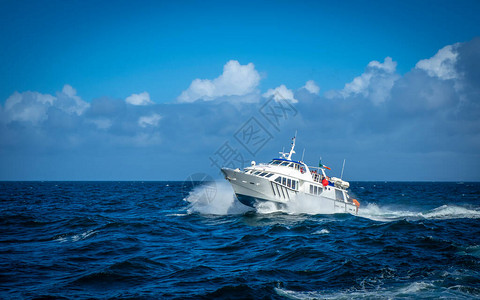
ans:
(341, 176)
(293, 147)
(303, 153)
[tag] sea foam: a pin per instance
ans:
(384, 213)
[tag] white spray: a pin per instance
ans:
(216, 198)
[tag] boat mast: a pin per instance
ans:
(289, 157)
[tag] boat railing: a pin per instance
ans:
(316, 169)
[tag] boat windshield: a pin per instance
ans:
(290, 164)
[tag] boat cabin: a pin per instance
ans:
(288, 163)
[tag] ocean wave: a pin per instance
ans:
(76, 237)
(379, 213)
(420, 289)
(240, 291)
(452, 212)
(163, 247)
(473, 250)
(322, 231)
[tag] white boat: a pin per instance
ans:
(284, 181)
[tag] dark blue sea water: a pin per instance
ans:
(152, 240)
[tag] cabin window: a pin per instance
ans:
(349, 199)
(275, 162)
(294, 185)
(269, 175)
(278, 179)
(339, 195)
(311, 189)
(289, 183)
(263, 174)
(284, 181)
(284, 163)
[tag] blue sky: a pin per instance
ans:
(93, 89)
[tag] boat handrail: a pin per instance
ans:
(316, 168)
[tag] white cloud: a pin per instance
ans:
(68, 101)
(388, 65)
(360, 84)
(236, 80)
(375, 83)
(151, 120)
(442, 64)
(280, 93)
(33, 106)
(69, 91)
(312, 87)
(139, 99)
(27, 107)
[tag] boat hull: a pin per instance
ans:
(252, 190)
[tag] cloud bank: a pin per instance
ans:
(422, 125)
(34, 107)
